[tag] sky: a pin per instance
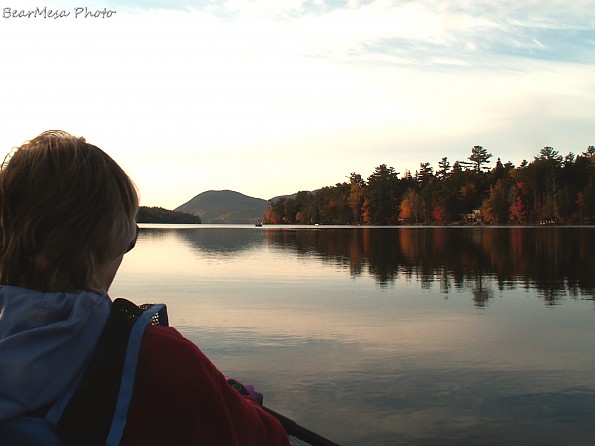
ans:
(270, 97)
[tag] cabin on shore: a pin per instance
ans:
(474, 217)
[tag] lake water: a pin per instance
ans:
(390, 336)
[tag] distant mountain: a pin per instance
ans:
(225, 206)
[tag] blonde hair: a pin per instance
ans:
(65, 207)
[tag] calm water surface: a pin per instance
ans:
(390, 336)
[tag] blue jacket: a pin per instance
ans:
(46, 340)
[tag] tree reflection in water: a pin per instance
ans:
(554, 261)
(303, 312)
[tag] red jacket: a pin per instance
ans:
(180, 398)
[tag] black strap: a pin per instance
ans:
(88, 415)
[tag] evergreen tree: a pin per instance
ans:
(444, 169)
(382, 195)
(479, 156)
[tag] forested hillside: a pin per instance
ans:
(161, 215)
(549, 189)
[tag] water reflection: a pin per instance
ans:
(554, 261)
(221, 240)
(338, 328)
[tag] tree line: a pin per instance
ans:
(160, 215)
(549, 189)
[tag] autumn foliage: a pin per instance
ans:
(550, 188)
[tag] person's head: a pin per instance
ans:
(67, 215)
